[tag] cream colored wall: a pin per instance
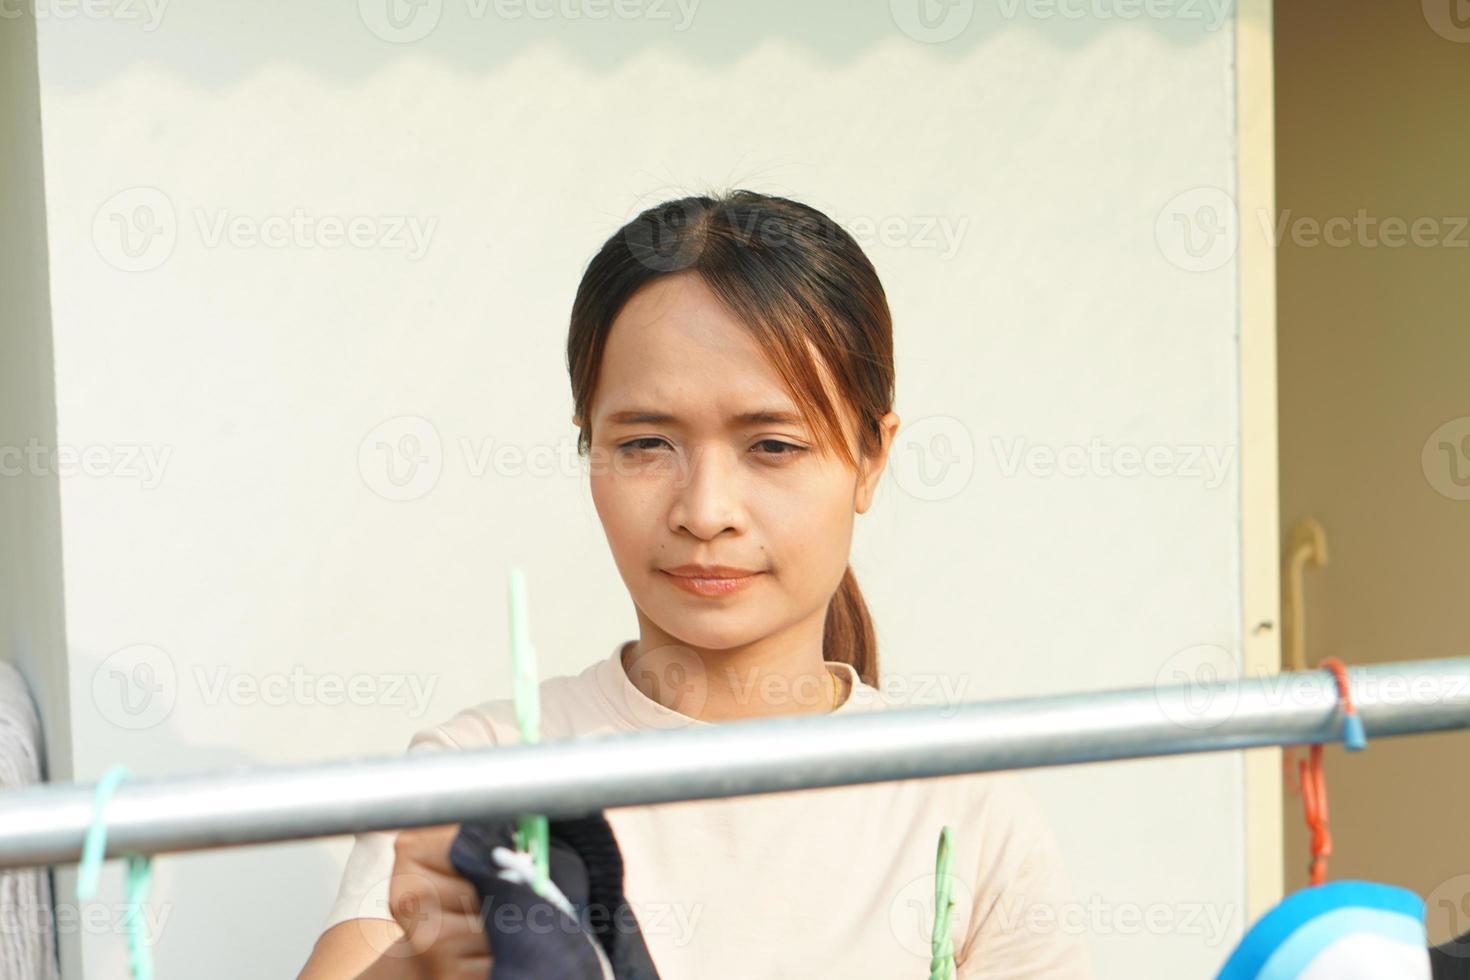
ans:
(1259, 490)
(1375, 376)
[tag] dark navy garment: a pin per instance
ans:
(531, 938)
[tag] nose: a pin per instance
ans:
(707, 495)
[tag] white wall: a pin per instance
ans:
(256, 538)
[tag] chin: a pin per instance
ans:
(710, 630)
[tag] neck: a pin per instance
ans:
(781, 674)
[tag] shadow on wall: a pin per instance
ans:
(192, 892)
(216, 44)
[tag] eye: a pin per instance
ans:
(783, 448)
(636, 445)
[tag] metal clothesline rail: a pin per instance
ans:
(46, 824)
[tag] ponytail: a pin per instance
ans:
(847, 635)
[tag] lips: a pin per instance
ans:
(710, 571)
(711, 581)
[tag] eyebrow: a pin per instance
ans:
(765, 416)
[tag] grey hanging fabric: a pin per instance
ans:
(532, 938)
(28, 943)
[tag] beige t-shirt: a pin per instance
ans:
(835, 882)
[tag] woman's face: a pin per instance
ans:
(696, 483)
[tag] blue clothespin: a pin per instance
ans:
(1353, 734)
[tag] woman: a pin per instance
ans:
(731, 367)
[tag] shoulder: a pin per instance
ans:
(570, 707)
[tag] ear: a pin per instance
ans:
(874, 465)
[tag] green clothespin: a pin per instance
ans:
(532, 830)
(139, 874)
(941, 957)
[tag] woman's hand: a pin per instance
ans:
(438, 910)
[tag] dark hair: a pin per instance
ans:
(808, 295)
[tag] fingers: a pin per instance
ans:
(438, 910)
(427, 846)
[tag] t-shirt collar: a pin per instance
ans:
(636, 710)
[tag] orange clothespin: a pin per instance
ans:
(1314, 803)
(1313, 779)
